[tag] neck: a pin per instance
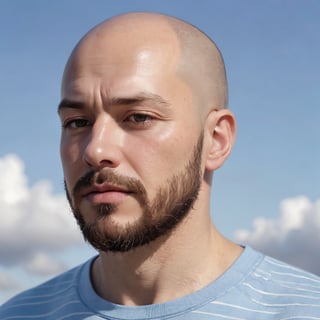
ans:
(170, 267)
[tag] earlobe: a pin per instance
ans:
(221, 132)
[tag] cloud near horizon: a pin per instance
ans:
(293, 236)
(35, 223)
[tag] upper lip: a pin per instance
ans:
(106, 187)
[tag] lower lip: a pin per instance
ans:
(106, 197)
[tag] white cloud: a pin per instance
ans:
(44, 265)
(293, 237)
(7, 282)
(34, 221)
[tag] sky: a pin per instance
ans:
(267, 193)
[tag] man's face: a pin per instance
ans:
(131, 144)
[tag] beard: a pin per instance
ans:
(160, 216)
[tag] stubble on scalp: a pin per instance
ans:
(201, 65)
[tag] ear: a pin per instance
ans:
(220, 135)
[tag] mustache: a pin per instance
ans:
(107, 175)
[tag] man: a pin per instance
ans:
(144, 126)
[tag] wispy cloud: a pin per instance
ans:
(294, 236)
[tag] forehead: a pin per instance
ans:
(119, 63)
(111, 47)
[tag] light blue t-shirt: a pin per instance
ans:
(255, 287)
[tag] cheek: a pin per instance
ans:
(71, 161)
(157, 157)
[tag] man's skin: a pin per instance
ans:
(178, 75)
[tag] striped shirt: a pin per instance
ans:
(255, 287)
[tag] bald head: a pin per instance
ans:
(143, 97)
(134, 37)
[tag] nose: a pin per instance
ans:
(102, 148)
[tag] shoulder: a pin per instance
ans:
(56, 294)
(260, 287)
(282, 275)
(282, 287)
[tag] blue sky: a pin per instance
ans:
(271, 50)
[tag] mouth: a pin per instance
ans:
(105, 194)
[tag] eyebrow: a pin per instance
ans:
(142, 97)
(69, 104)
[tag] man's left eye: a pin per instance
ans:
(139, 117)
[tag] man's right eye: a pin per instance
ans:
(76, 123)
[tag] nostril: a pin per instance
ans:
(107, 163)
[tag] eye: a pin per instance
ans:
(77, 123)
(139, 118)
